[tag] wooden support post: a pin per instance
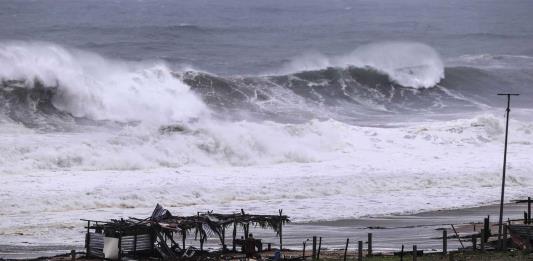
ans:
(280, 231)
(88, 238)
(245, 226)
(346, 249)
(152, 241)
(369, 252)
(183, 237)
(201, 242)
(314, 248)
(401, 254)
(223, 238)
(474, 242)
(234, 235)
(482, 242)
(120, 247)
(73, 254)
(360, 251)
(486, 229)
(504, 243)
(319, 247)
(415, 253)
(444, 241)
(529, 210)
(269, 246)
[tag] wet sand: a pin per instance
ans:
(389, 233)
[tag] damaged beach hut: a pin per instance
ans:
(164, 235)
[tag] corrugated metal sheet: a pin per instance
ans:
(144, 242)
(96, 245)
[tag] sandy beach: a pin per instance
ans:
(389, 232)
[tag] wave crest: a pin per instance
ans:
(408, 64)
(91, 86)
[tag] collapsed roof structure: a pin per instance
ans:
(154, 236)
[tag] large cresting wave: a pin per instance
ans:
(46, 77)
(44, 84)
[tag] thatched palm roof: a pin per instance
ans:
(215, 223)
(203, 224)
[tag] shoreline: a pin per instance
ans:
(389, 232)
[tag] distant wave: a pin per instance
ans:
(493, 61)
(408, 64)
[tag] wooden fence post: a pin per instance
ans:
(346, 249)
(303, 251)
(319, 247)
(314, 248)
(415, 252)
(474, 242)
(73, 254)
(504, 243)
(486, 229)
(444, 241)
(482, 242)
(369, 251)
(360, 251)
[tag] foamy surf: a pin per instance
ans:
(345, 172)
(317, 140)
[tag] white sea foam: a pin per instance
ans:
(100, 88)
(316, 170)
(320, 169)
(409, 64)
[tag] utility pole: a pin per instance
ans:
(500, 224)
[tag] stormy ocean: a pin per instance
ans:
(326, 109)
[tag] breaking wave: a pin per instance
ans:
(47, 77)
(408, 64)
(43, 84)
(333, 92)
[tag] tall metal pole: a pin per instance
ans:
(508, 110)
